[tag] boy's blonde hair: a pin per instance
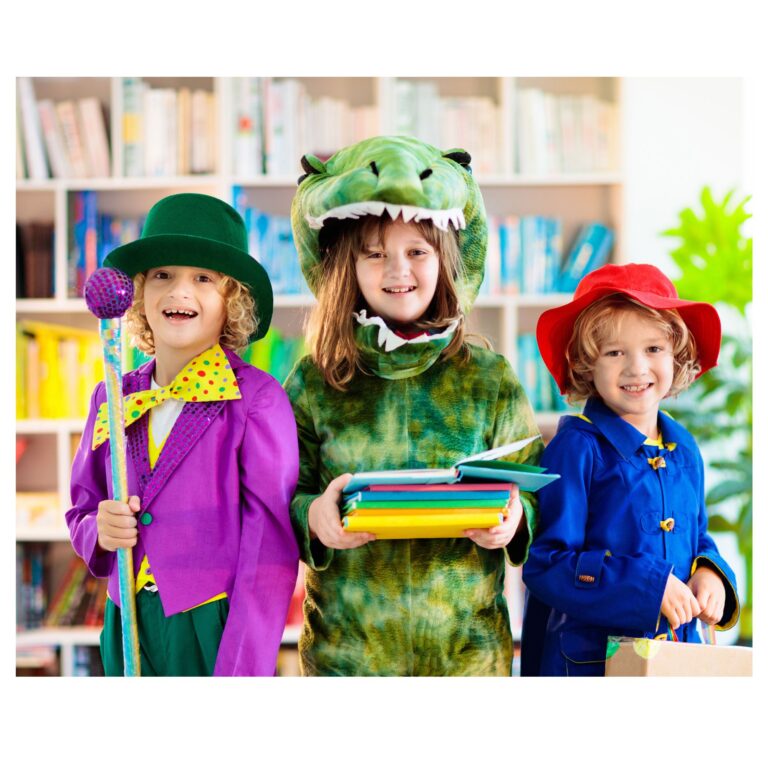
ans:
(595, 325)
(330, 327)
(240, 308)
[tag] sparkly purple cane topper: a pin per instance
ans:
(108, 293)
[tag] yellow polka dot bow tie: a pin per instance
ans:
(206, 378)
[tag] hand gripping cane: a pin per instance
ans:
(108, 294)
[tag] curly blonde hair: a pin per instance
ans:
(596, 324)
(239, 305)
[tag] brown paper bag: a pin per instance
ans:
(641, 657)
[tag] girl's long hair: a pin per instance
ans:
(331, 327)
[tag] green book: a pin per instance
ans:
(428, 504)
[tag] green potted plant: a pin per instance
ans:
(715, 262)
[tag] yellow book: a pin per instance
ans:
(52, 402)
(69, 367)
(90, 371)
(421, 526)
(21, 374)
(32, 379)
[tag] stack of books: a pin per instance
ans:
(62, 140)
(80, 599)
(439, 503)
(57, 368)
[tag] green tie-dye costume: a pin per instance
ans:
(421, 606)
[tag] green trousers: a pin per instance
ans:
(182, 645)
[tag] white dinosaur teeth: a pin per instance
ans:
(441, 219)
(375, 207)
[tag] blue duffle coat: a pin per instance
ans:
(621, 518)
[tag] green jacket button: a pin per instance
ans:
(146, 518)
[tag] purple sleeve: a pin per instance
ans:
(88, 487)
(268, 557)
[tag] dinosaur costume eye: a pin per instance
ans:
(374, 168)
(459, 156)
(311, 164)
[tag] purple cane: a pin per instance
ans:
(109, 294)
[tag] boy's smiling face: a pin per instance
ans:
(184, 309)
(634, 370)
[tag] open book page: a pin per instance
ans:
(499, 450)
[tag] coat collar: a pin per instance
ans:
(622, 435)
(619, 433)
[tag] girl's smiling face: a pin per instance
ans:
(634, 370)
(184, 309)
(398, 276)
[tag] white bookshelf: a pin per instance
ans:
(574, 197)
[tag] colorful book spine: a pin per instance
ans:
(133, 126)
(37, 166)
(30, 591)
(270, 241)
(536, 380)
(248, 156)
(590, 250)
(54, 140)
(52, 356)
(91, 243)
(421, 526)
(94, 135)
(66, 112)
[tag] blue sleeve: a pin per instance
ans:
(597, 586)
(707, 554)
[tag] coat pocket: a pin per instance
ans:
(583, 652)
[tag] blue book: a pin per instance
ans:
(554, 253)
(505, 279)
(77, 254)
(589, 251)
(526, 367)
(514, 254)
(530, 254)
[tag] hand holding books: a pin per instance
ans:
(500, 535)
(325, 519)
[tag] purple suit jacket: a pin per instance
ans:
(219, 497)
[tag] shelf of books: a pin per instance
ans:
(94, 154)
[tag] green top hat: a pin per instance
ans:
(194, 230)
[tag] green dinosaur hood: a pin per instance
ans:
(400, 175)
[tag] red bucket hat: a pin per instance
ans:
(642, 282)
